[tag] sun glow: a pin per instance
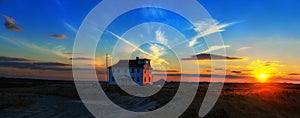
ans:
(262, 77)
(263, 70)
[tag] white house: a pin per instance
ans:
(128, 72)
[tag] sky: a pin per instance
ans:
(261, 39)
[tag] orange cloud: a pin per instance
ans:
(58, 36)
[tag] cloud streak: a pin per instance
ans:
(243, 48)
(214, 48)
(10, 59)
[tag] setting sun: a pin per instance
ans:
(262, 77)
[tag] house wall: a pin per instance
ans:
(119, 72)
(147, 75)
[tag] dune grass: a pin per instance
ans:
(15, 100)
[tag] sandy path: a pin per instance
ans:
(59, 107)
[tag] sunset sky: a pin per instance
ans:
(261, 39)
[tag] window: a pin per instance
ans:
(138, 79)
(132, 70)
(132, 78)
(138, 70)
(145, 79)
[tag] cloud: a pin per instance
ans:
(208, 27)
(294, 74)
(213, 48)
(166, 71)
(265, 67)
(51, 64)
(237, 72)
(55, 66)
(154, 57)
(157, 51)
(11, 24)
(160, 37)
(204, 56)
(72, 28)
(58, 36)
(10, 59)
(272, 63)
(57, 51)
(243, 48)
(82, 59)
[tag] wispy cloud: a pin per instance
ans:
(72, 28)
(139, 49)
(214, 48)
(158, 51)
(57, 51)
(160, 37)
(205, 28)
(243, 48)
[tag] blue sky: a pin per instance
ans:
(262, 30)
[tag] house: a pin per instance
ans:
(130, 72)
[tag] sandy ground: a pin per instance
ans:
(60, 107)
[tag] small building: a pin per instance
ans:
(128, 72)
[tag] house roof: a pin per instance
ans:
(130, 63)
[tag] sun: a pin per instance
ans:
(262, 77)
(262, 71)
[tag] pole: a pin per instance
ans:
(107, 71)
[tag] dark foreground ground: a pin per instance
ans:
(59, 99)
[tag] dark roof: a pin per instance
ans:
(130, 63)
